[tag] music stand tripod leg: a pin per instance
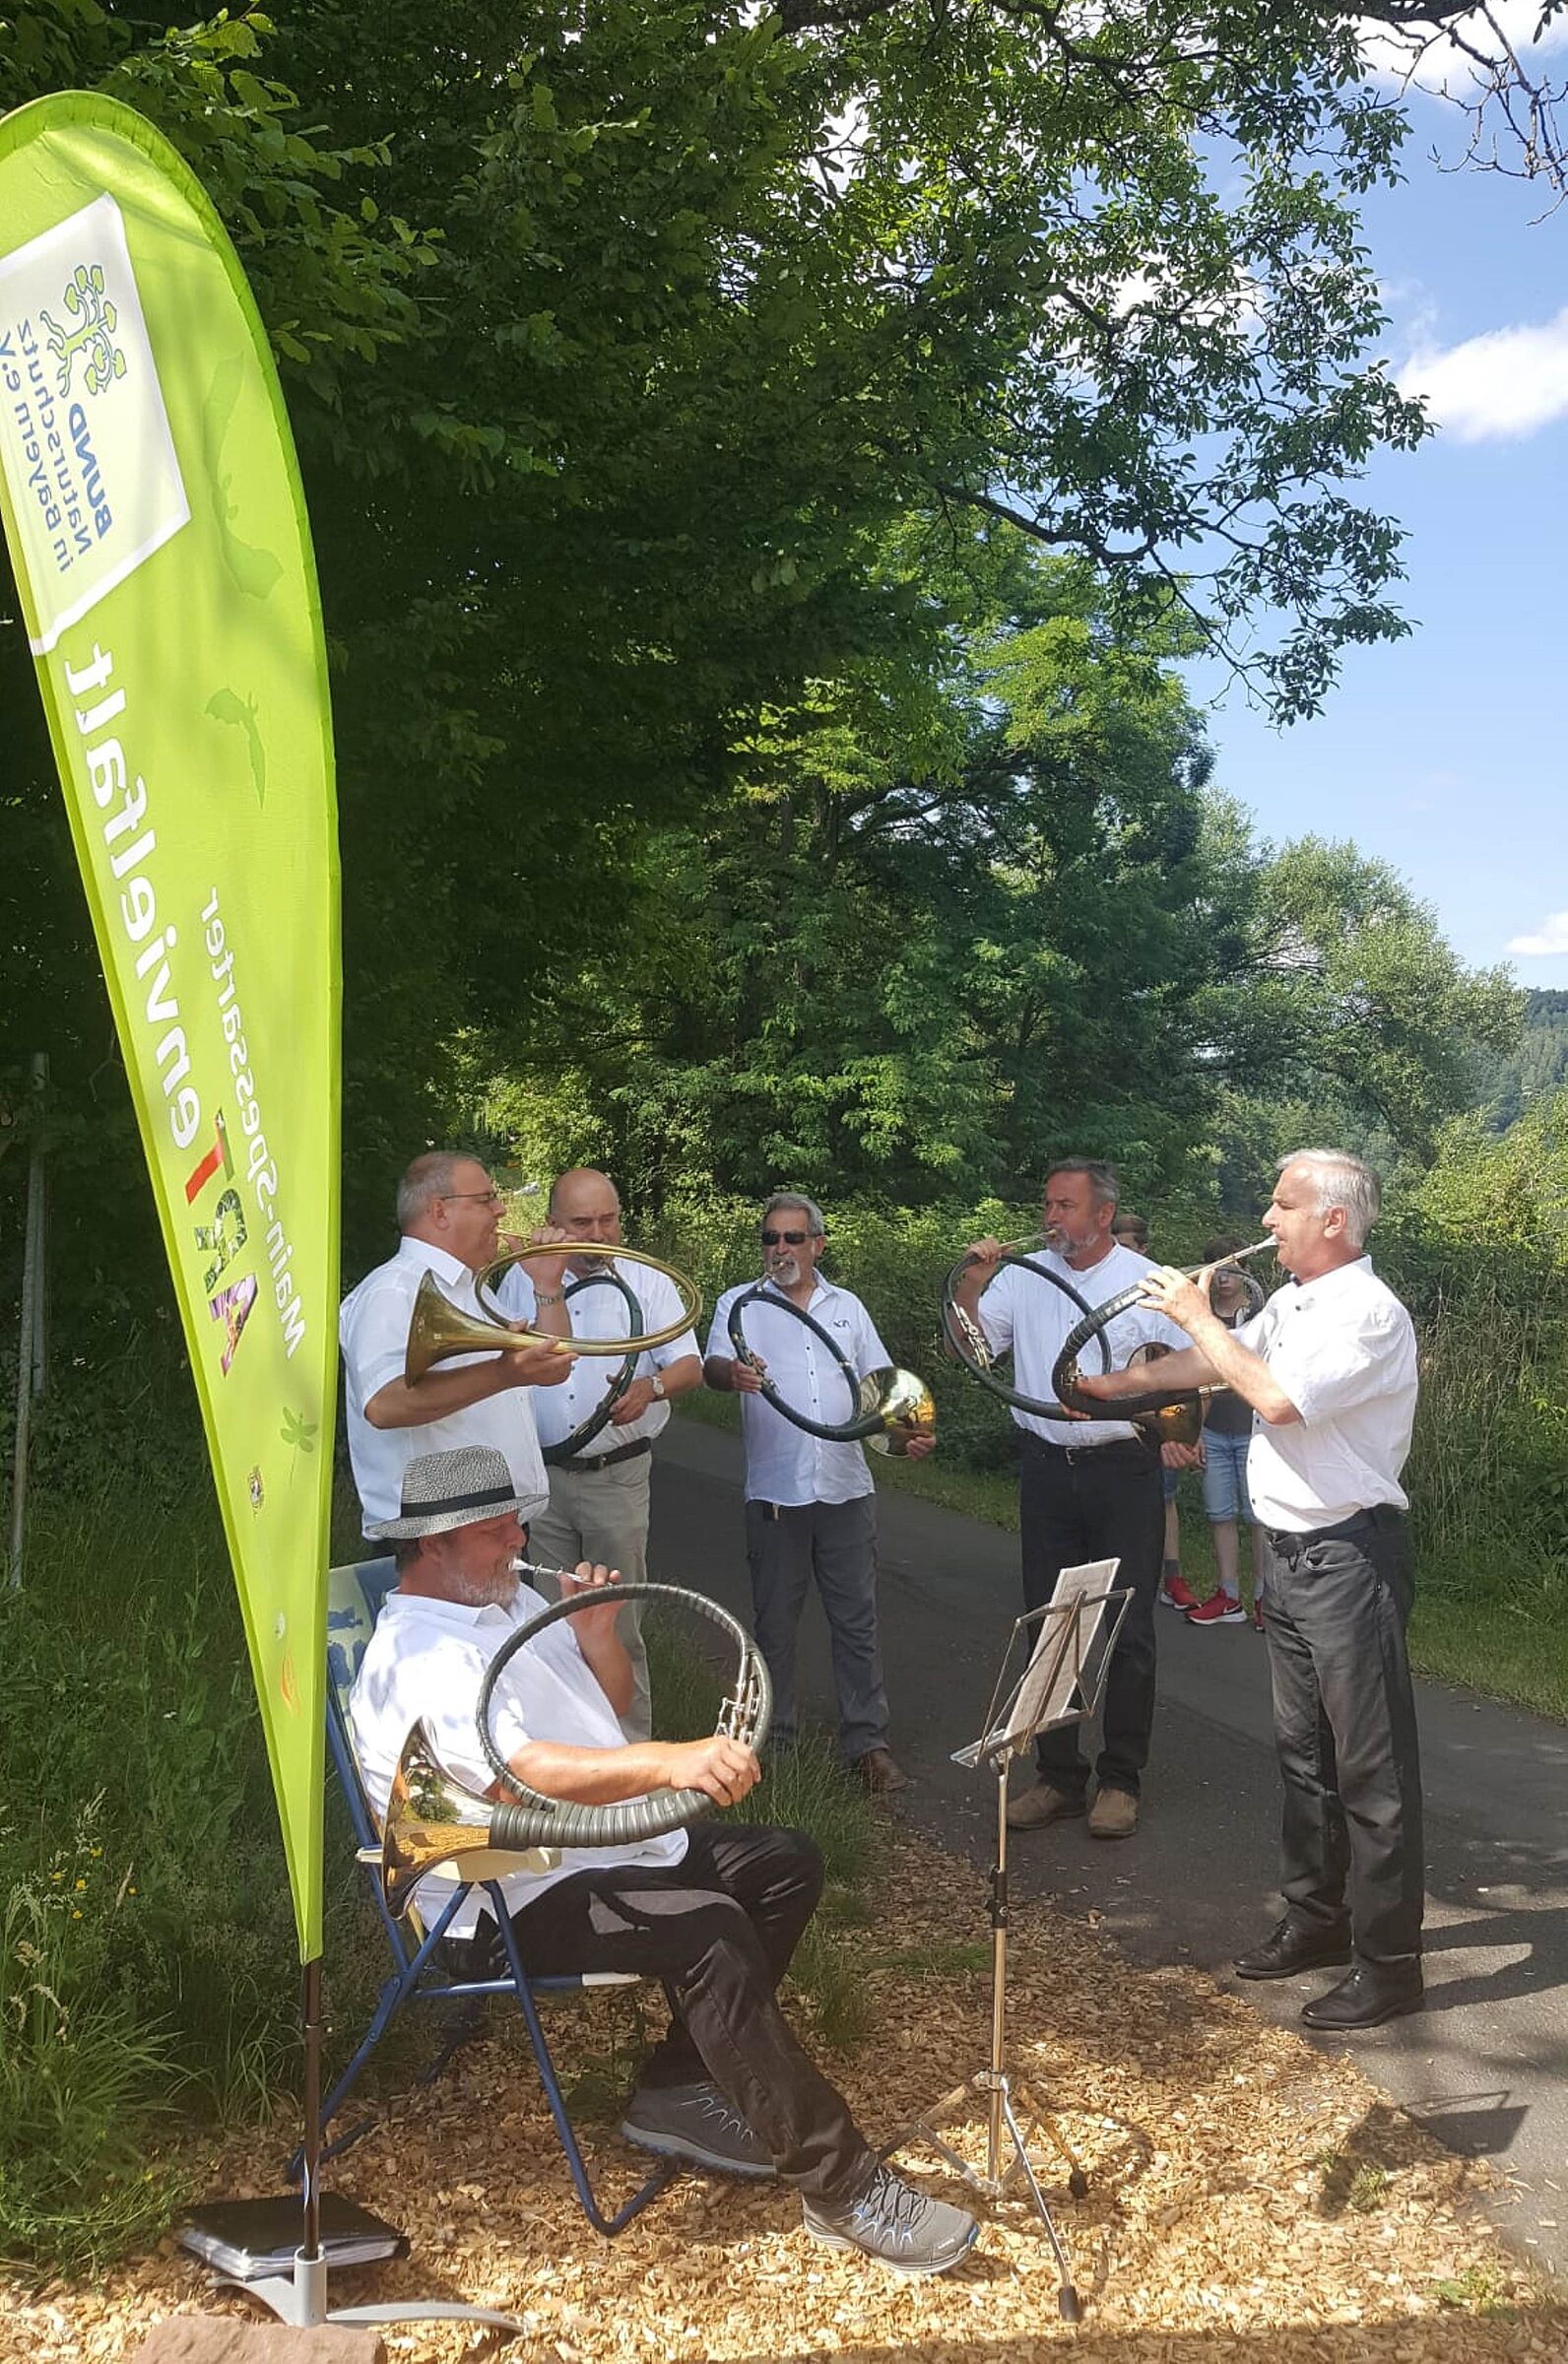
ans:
(1067, 2298)
(1077, 2183)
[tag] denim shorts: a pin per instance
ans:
(1225, 1493)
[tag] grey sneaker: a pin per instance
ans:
(896, 2224)
(695, 2123)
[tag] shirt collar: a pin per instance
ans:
(824, 1288)
(1329, 1283)
(430, 1258)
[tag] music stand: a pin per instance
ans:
(1061, 1684)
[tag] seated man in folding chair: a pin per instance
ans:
(714, 1911)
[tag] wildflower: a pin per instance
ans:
(80, 1885)
(76, 1916)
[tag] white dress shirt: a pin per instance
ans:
(1343, 1350)
(1021, 1311)
(600, 1312)
(425, 1663)
(783, 1464)
(373, 1330)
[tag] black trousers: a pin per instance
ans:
(1105, 1504)
(719, 1929)
(1344, 1727)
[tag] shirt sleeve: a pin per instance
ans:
(1325, 1371)
(718, 1330)
(869, 1352)
(514, 1294)
(661, 1302)
(375, 1338)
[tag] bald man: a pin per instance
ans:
(598, 1507)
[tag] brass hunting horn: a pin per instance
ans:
(969, 1345)
(1167, 1419)
(890, 1405)
(432, 1819)
(439, 1329)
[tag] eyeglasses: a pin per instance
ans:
(785, 1239)
(481, 1197)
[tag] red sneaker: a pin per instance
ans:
(1220, 1609)
(1257, 1616)
(1177, 1593)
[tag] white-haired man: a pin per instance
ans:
(714, 1911)
(598, 1506)
(811, 1507)
(449, 1215)
(1329, 1366)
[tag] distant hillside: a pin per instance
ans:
(1540, 1063)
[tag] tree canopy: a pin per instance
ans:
(679, 390)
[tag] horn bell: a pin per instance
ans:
(438, 1329)
(1178, 1422)
(903, 1402)
(432, 1820)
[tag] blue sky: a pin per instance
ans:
(1447, 754)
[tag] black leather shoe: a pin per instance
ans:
(1294, 1946)
(1369, 1995)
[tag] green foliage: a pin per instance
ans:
(1506, 1087)
(83, 2080)
(622, 346)
(1345, 1012)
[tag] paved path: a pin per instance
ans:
(1485, 2066)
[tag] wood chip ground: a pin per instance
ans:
(1250, 2201)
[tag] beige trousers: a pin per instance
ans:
(601, 1515)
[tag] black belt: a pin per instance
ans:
(608, 1461)
(1126, 1449)
(1290, 1544)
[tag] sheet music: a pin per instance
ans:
(1045, 1695)
(1064, 1640)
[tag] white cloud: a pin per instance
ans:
(1552, 936)
(1435, 63)
(1503, 384)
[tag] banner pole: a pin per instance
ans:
(29, 1328)
(310, 1993)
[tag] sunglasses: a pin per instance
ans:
(785, 1239)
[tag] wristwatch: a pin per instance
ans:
(658, 1385)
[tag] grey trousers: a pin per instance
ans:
(603, 1515)
(786, 1545)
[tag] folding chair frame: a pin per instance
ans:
(406, 1984)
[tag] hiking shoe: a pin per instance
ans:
(895, 2224)
(1113, 1815)
(1041, 1802)
(878, 1774)
(695, 2123)
(1220, 1609)
(1177, 1593)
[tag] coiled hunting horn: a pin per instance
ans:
(1165, 1419)
(973, 1349)
(587, 1429)
(891, 1405)
(432, 1819)
(439, 1329)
